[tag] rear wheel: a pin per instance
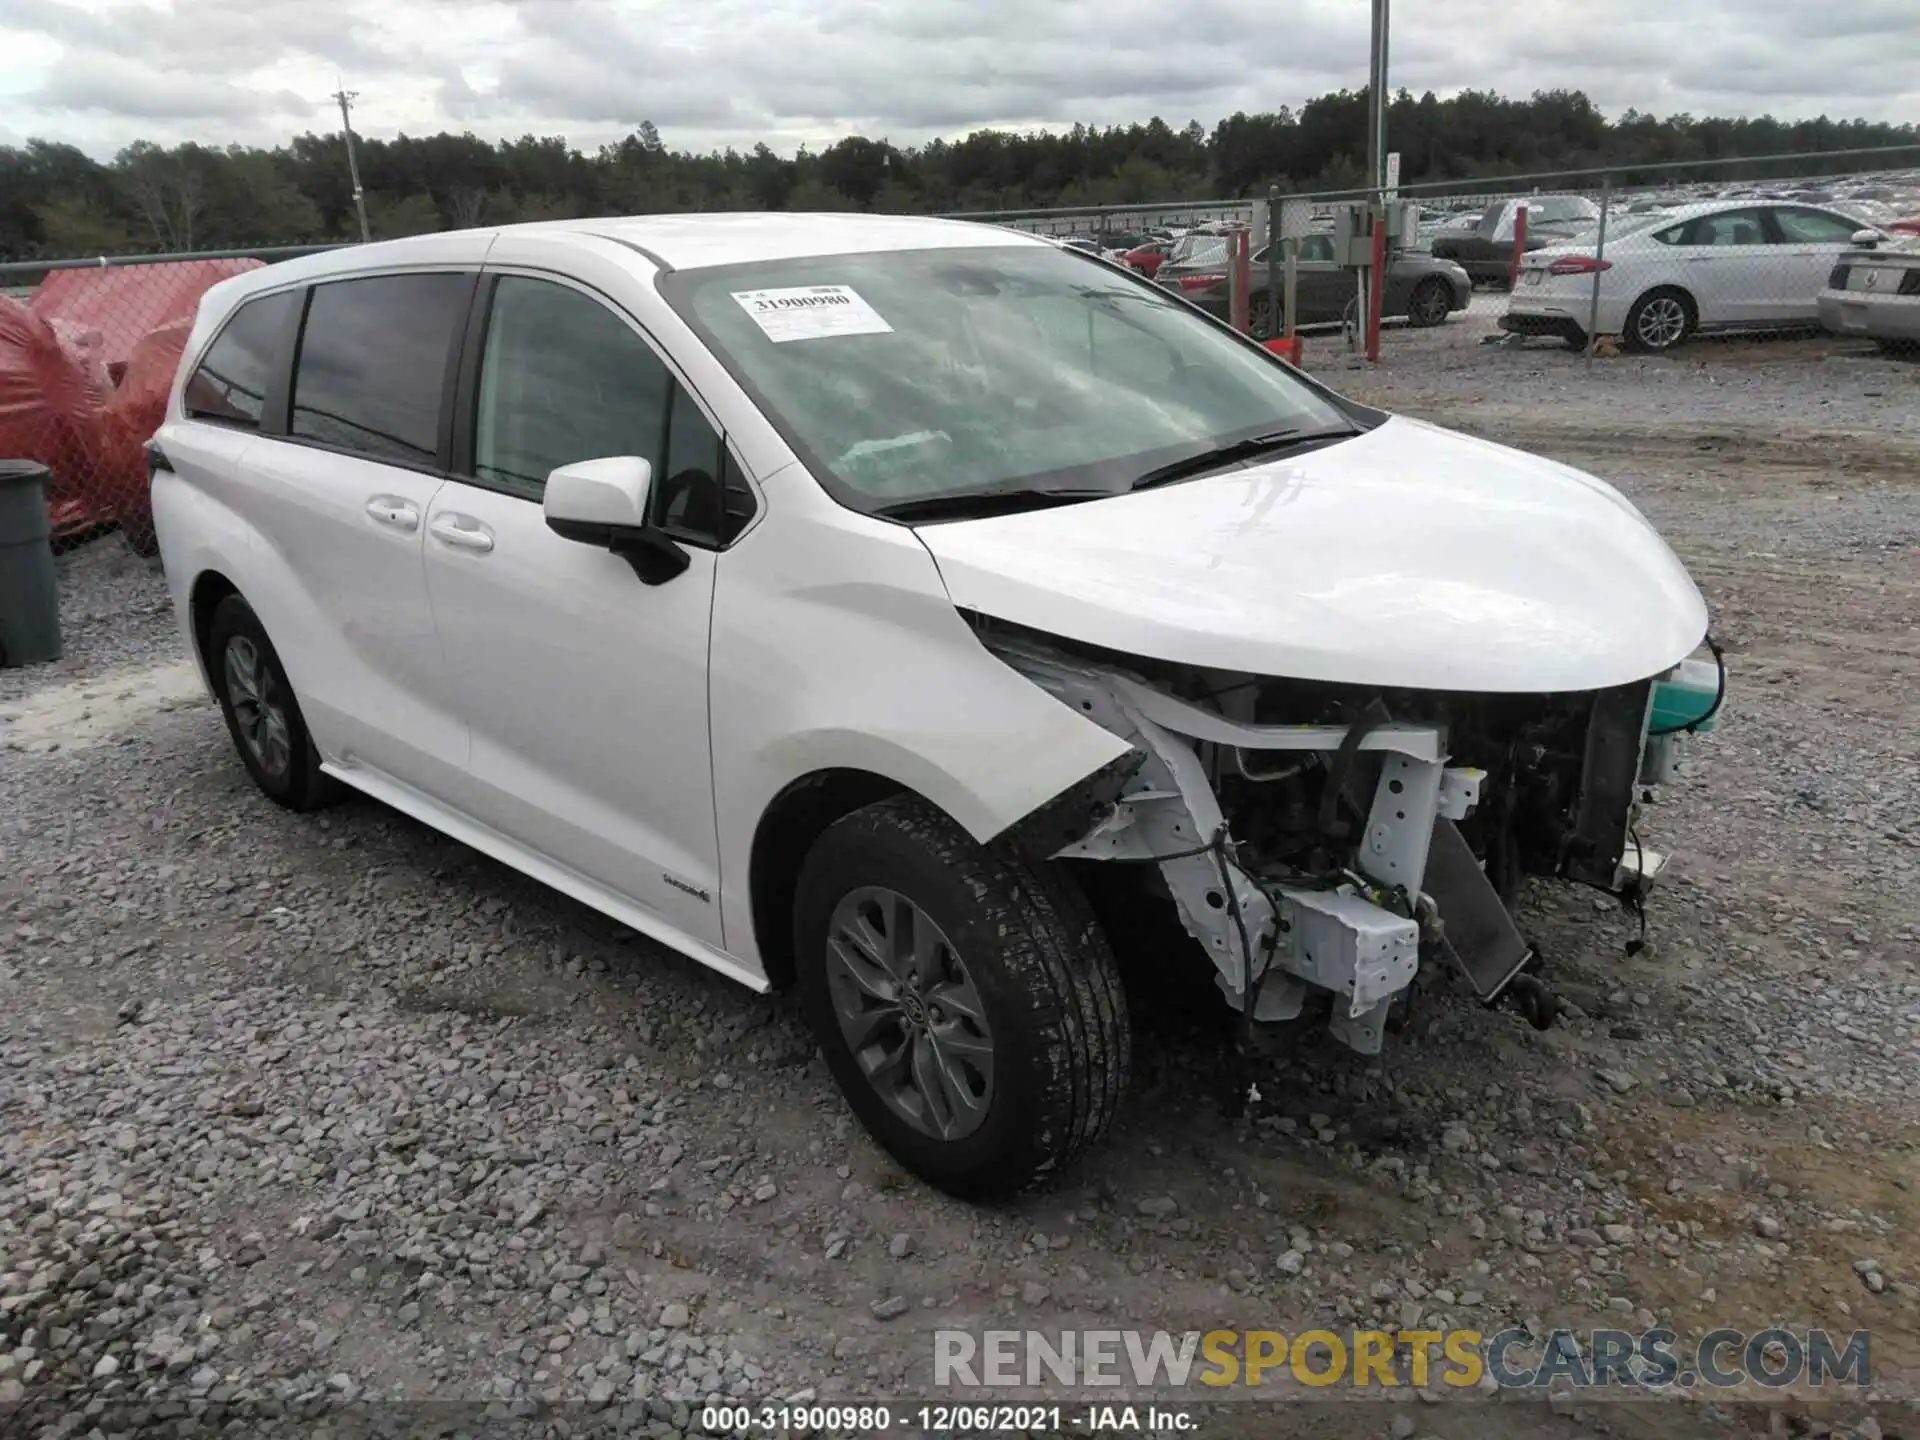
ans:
(965, 999)
(1430, 303)
(1660, 320)
(261, 712)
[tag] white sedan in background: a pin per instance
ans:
(1719, 265)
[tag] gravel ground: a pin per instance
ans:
(331, 1115)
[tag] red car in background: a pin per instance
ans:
(1148, 258)
(1910, 225)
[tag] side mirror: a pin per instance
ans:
(604, 503)
(1866, 239)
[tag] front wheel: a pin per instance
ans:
(965, 999)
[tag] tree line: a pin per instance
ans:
(56, 201)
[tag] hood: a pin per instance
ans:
(1409, 557)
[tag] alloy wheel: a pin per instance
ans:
(1260, 319)
(1662, 323)
(258, 708)
(910, 1012)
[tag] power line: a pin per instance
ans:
(346, 98)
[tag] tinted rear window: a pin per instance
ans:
(373, 363)
(230, 385)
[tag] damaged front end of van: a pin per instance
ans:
(1325, 843)
(1364, 692)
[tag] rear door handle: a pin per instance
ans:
(392, 510)
(463, 532)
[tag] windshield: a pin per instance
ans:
(1199, 250)
(905, 375)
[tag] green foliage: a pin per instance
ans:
(389, 219)
(80, 226)
(55, 200)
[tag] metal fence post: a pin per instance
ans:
(1273, 265)
(1239, 280)
(1599, 261)
(1377, 278)
(1293, 285)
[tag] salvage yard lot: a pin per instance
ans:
(334, 1107)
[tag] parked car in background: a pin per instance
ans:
(1148, 258)
(1421, 288)
(1485, 250)
(1905, 225)
(1715, 266)
(1124, 241)
(1876, 293)
(859, 603)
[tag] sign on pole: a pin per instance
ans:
(1393, 174)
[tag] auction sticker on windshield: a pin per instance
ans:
(809, 312)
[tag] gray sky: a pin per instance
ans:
(100, 73)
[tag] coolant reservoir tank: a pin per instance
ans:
(1682, 698)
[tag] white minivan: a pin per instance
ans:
(914, 613)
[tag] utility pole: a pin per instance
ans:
(346, 98)
(1377, 99)
(1372, 283)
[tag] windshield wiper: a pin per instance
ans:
(1221, 455)
(968, 505)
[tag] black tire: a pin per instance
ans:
(1261, 311)
(1430, 303)
(298, 783)
(1898, 349)
(1648, 329)
(1045, 977)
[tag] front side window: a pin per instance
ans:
(372, 370)
(562, 379)
(230, 384)
(1814, 227)
(909, 375)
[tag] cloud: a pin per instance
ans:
(789, 72)
(108, 84)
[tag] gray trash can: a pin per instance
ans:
(29, 595)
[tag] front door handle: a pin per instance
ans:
(463, 532)
(393, 510)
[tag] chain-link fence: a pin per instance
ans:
(88, 350)
(1645, 259)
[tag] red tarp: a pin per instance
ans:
(62, 355)
(131, 416)
(125, 302)
(50, 398)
